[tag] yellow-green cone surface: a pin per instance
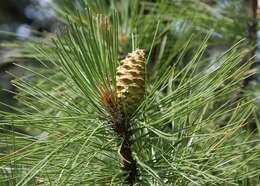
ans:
(130, 81)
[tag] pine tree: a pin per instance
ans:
(121, 100)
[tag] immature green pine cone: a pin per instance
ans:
(130, 81)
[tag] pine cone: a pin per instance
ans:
(130, 81)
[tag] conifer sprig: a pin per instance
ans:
(88, 53)
(187, 129)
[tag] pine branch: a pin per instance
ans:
(171, 136)
(129, 164)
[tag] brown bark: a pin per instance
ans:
(121, 125)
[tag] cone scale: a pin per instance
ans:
(130, 81)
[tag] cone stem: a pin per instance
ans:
(122, 128)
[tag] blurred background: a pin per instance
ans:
(20, 20)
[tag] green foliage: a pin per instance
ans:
(187, 131)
